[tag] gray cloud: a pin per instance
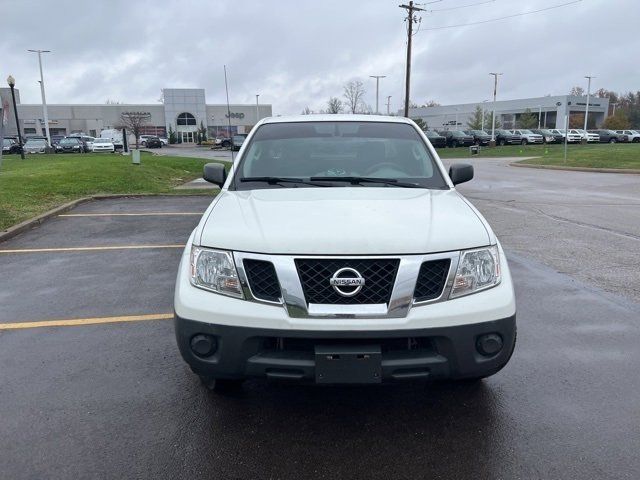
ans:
(298, 53)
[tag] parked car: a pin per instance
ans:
(414, 287)
(115, 136)
(633, 135)
(572, 136)
(35, 145)
(10, 146)
(153, 142)
(70, 145)
(480, 137)
(87, 141)
(236, 142)
(548, 136)
(457, 138)
(527, 136)
(142, 139)
(437, 140)
(165, 141)
(103, 145)
(55, 139)
(505, 137)
(609, 136)
(590, 137)
(221, 142)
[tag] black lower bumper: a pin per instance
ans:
(421, 354)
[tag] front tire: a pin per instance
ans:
(501, 142)
(454, 144)
(613, 140)
(524, 141)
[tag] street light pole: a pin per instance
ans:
(493, 117)
(586, 112)
(377, 77)
(257, 108)
(539, 115)
(44, 99)
(12, 83)
(482, 121)
(614, 108)
(389, 105)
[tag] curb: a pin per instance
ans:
(35, 221)
(632, 171)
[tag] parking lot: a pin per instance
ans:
(103, 393)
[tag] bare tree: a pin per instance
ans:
(134, 121)
(431, 103)
(108, 101)
(334, 105)
(577, 91)
(306, 111)
(354, 92)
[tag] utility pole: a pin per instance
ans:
(539, 115)
(257, 109)
(44, 100)
(586, 112)
(389, 105)
(377, 77)
(493, 119)
(410, 19)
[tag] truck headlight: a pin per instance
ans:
(478, 269)
(214, 270)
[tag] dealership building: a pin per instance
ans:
(182, 109)
(551, 111)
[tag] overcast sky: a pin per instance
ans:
(296, 53)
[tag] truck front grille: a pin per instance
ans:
(262, 280)
(379, 276)
(431, 279)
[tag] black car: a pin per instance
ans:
(70, 145)
(609, 136)
(10, 146)
(438, 141)
(55, 139)
(505, 137)
(480, 137)
(153, 142)
(548, 136)
(457, 138)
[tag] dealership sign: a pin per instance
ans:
(235, 115)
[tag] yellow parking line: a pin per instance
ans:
(85, 321)
(150, 214)
(88, 249)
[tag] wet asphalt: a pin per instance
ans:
(117, 401)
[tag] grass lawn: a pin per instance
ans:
(593, 156)
(41, 182)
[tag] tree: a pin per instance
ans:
(202, 133)
(134, 122)
(421, 123)
(173, 138)
(334, 105)
(475, 123)
(619, 121)
(431, 103)
(353, 93)
(487, 121)
(577, 91)
(528, 119)
(306, 111)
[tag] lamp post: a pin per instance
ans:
(539, 115)
(44, 100)
(493, 117)
(586, 111)
(377, 77)
(389, 105)
(257, 108)
(12, 83)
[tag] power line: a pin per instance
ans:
(461, 6)
(508, 16)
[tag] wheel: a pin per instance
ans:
(613, 140)
(454, 144)
(636, 140)
(221, 385)
(523, 142)
(502, 142)
(477, 143)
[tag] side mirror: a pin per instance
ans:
(460, 173)
(215, 173)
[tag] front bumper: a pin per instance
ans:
(423, 354)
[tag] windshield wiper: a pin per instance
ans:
(277, 180)
(358, 180)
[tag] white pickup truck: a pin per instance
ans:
(339, 251)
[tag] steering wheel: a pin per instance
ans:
(380, 165)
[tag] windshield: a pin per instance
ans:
(68, 141)
(526, 132)
(328, 150)
(102, 140)
(35, 143)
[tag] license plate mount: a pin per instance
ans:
(337, 364)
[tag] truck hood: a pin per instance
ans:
(342, 221)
